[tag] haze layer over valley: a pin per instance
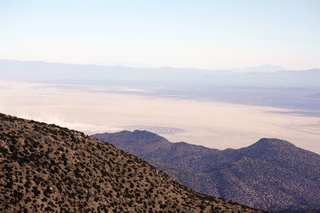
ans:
(217, 109)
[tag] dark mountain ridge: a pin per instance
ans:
(46, 168)
(271, 174)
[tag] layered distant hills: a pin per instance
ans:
(46, 168)
(264, 85)
(271, 174)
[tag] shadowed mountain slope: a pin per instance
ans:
(46, 168)
(271, 174)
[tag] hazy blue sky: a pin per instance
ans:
(198, 33)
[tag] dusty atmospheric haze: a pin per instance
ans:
(200, 108)
(218, 74)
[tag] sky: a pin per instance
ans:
(208, 34)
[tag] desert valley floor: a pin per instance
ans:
(204, 122)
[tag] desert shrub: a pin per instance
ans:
(49, 209)
(104, 172)
(35, 191)
(202, 207)
(27, 200)
(163, 206)
(65, 159)
(18, 195)
(9, 184)
(98, 146)
(76, 173)
(97, 187)
(131, 185)
(4, 150)
(47, 191)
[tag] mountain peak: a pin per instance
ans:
(138, 141)
(267, 147)
(150, 136)
(274, 142)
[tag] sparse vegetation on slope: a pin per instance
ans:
(271, 174)
(46, 168)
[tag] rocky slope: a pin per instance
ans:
(271, 174)
(46, 168)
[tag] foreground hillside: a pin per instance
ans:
(46, 168)
(271, 174)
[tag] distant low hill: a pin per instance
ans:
(46, 168)
(271, 174)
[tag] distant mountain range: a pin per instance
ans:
(46, 168)
(262, 68)
(260, 76)
(271, 174)
(263, 85)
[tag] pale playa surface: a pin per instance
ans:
(208, 123)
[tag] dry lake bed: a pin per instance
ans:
(203, 122)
